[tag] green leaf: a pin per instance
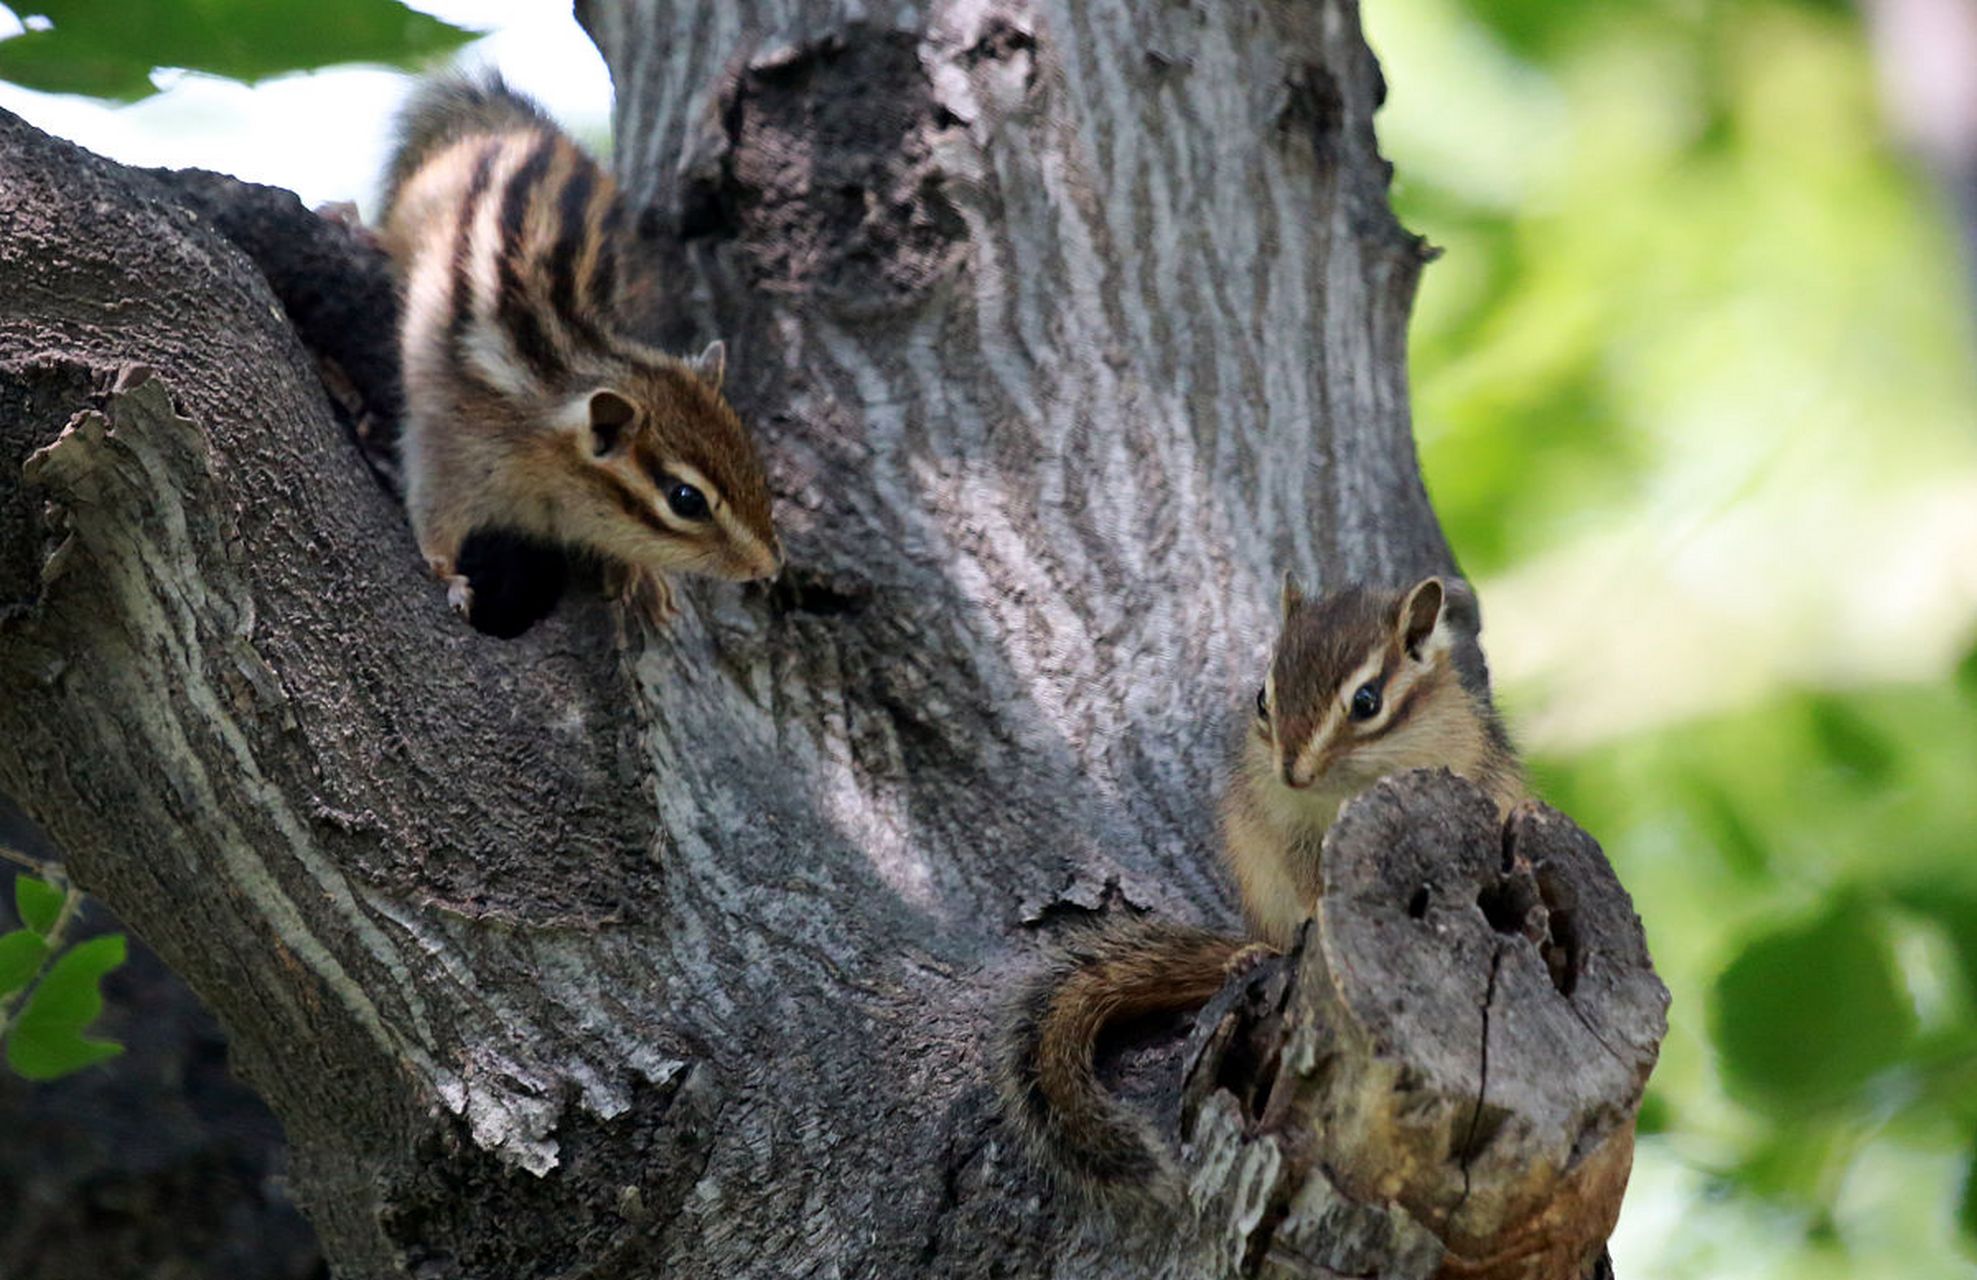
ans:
(47, 1039)
(38, 903)
(110, 51)
(1850, 741)
(1955, 912)
(21, 954)
(44, 61)
(1737, 840)
(1796, 1162)
(51, 1053)
(1966, 1203)
(1806, 1014)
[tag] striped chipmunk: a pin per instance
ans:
(1364, 683)
(528, 409)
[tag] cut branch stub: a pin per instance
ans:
(1463, 1047)
(1491, 1016)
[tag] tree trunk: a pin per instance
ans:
(1067, 328)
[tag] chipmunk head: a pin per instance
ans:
(673, 479)
(1365, 683)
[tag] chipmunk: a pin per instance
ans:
(527, 407)
(1364, 683)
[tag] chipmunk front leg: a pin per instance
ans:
(646, 592)
(441, 534)
(459, 591)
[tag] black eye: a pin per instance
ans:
(687, 502)
(1262, 702)
(1366, 703)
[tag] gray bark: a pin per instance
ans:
(1067, 328)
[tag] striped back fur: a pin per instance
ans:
(513, 247)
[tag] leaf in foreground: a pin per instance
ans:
(109, 51)
(38, 902)
(21, 953)
(47, 1040)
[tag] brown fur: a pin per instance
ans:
(1420, 646)
(1113, 972)
(447, 108)
(527, 406)
(1309, 756)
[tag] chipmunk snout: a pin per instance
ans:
(765, 563)
(1294, 778)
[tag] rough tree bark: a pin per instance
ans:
(1067, 328)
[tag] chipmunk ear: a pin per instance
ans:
(611, 416)
(1420, 612)
(1291, 596)
(1459, 607)
(712, 364)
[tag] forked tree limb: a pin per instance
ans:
(1067, 328)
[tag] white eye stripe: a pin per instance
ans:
(673, 521)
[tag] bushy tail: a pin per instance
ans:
(1050, 1092)
(450, 106)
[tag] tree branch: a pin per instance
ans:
(603, 951)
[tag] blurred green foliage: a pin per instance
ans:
(1693, 299)
(110, 50)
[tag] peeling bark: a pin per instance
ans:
(609, 953)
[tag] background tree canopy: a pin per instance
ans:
(1696, 402)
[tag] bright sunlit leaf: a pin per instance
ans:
(110, 51)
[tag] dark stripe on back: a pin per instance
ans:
(462, 317)
(604, 268)
(573, 211)
(517, 313)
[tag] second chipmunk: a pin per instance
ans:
(527, 407)
(1364, 683)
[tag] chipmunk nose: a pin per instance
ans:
(767, 564)
(1294, 779)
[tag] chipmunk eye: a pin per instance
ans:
(1366, 703)
(687, 502)
(1262, 702)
